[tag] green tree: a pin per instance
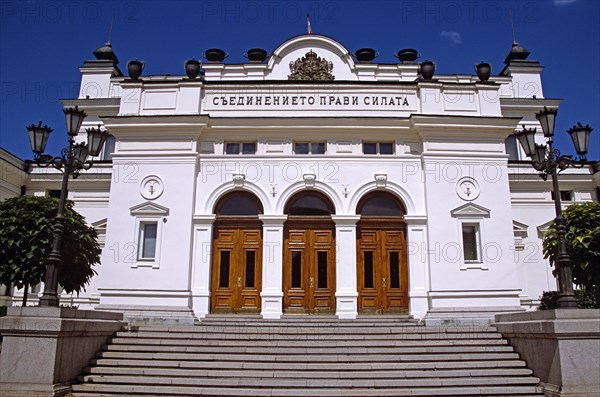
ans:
(583, 244)
(26, 235)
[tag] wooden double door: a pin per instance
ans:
(237, 268)
(309, 266)
(382, 273)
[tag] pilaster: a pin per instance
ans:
(201, 260)
(272, 283)
(418, 265)
(345, 292)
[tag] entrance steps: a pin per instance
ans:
(307, 356)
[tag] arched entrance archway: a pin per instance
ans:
(309, 254)
(382, 271)
(237, 254)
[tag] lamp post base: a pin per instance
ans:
(49, 300)
(567, 302)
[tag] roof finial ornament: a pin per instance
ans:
(512, 25)
(517, 53)
(112, 22)
(308, 28)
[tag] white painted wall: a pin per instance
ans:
(448, 130)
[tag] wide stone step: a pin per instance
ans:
(313, 350)
(266, 334)
(307, 374)
(283, 324)
(305, 383)
(315, 327)
(307, 356)
(307, 318)
(296, 343)
(98, 389)
(332, 358)
(311, 366)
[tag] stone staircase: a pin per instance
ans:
(307, 356)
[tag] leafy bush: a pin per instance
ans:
(586, 299)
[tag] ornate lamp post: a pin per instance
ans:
(71, 161)
(549, 161)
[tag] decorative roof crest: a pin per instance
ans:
(311, 67)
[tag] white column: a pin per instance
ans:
(201, 264)
(272, 270)
(345, 273)
(418, 265)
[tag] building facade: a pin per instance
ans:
(313, 183)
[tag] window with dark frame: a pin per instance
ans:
(54, 193)
(565, 195)
(309, 148)
(383, 148)
(109, 148)
(470, 237)
(235, 148)
(148, 233)
(511, 147)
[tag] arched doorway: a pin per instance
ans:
(382, 271)
(237, 254)
(309, 254)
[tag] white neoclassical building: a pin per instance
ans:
(314, 183)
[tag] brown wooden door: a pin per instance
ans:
(382, 272)
(309, 269)
(236, 270)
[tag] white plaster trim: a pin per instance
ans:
(218, 192)
(149, 208)
(470, 210)
(296, 187)
(390, 187)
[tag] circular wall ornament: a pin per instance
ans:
(152, 187)
(467, 188)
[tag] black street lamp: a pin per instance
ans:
(547, 160)
(71, 161)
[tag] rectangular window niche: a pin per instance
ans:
(149, 220)
(470, 234)
(148, 237)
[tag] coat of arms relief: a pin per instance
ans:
(311, 67)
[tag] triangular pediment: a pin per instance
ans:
(100, 227)
(100, 224)
(520, 229)
(470, 210)
(543, 228)
(149, 208)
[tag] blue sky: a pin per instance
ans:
(42, 44)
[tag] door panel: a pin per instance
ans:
(382, 273)
(309, 273)
(236, 270)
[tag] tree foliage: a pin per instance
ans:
(583, 243)
(26, 235)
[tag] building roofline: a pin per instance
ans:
(13, 160)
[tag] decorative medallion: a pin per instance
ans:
(311, 67)
(467, 188)
(151, 187)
